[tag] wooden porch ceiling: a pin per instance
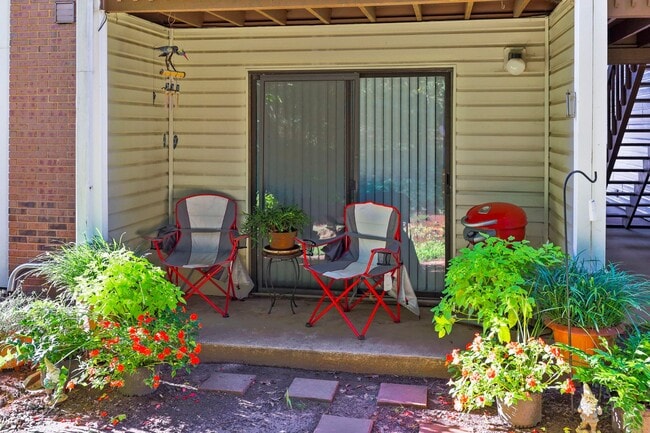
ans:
(241, 13)
(628, 31)
(628, 20)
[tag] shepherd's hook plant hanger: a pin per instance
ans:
(566, 261)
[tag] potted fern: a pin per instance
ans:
(275, 222)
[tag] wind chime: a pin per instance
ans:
(172, 87)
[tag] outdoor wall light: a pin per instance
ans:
(513, 60)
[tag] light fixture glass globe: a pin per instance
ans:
(515, 65)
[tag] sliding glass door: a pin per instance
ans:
(324, 140)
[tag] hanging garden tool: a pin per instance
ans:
(172, 88)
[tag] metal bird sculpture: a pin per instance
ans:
(167, 52)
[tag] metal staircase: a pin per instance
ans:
(628, 150)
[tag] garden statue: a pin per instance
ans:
(589, 411)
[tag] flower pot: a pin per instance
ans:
(134, 384)
(584, 339)
(617, 422)
(282, 240)
(523, 413)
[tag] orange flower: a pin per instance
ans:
(93, 353)
(70, 385)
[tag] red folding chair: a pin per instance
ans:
(205, 240)
(367, 252)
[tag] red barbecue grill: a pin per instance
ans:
(494, 219)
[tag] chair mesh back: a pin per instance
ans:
(375, 221)
(205, 212)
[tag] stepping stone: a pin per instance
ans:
(439, 428)
(228, 382)
(402, 395)
(313, 389)
(339, 424)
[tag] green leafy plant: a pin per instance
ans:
(489, 369)
(273, 217)
(624, 370)
(61, 267)
(55, 329)
(489, 283)
(599, 297)
(123, 285)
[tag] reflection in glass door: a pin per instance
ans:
(323, 141)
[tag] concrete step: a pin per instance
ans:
(252, 336)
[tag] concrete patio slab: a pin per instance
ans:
(228, 382)
(339, 424)
(252, 336)
(402, 395)
(313, 389)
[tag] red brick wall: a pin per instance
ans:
(41, 130)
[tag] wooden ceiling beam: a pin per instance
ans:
(520, 7)
(277, 16)
(628, 9)
(624, 56)
(627, 28)
(369, 12)
(159, 6)
(193, 19)
(417, 10)
(237, 18)
(643, 38)
(468, 9)
(324, 15)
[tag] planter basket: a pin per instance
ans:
(584, 339)
(134, 383)
(524, 413)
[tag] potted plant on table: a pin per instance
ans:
(600, 301)
(624, 370)
(275, 222)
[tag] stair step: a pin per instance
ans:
(632, 158)
(637, 131)
(636, 144)
(628, 170)
(625, 182)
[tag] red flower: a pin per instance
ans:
(179, 355)
(120, 367)
(181, 334)
(93, 353)
(568, 387)
(197, 349)
(194, 360)
(491, 373)
(531, 382)
(194, 316)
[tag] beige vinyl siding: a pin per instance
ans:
(561, 46)
(498, 122)
(137, 161)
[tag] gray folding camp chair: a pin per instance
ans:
(362, 257)
(205, 240)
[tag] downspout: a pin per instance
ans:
(5, 22)
(91, 122)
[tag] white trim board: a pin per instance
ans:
(5, 21)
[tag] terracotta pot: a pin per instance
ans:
(282, 241)
(617, 422)
(584, 339)
(524, 413)
(134, 383)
